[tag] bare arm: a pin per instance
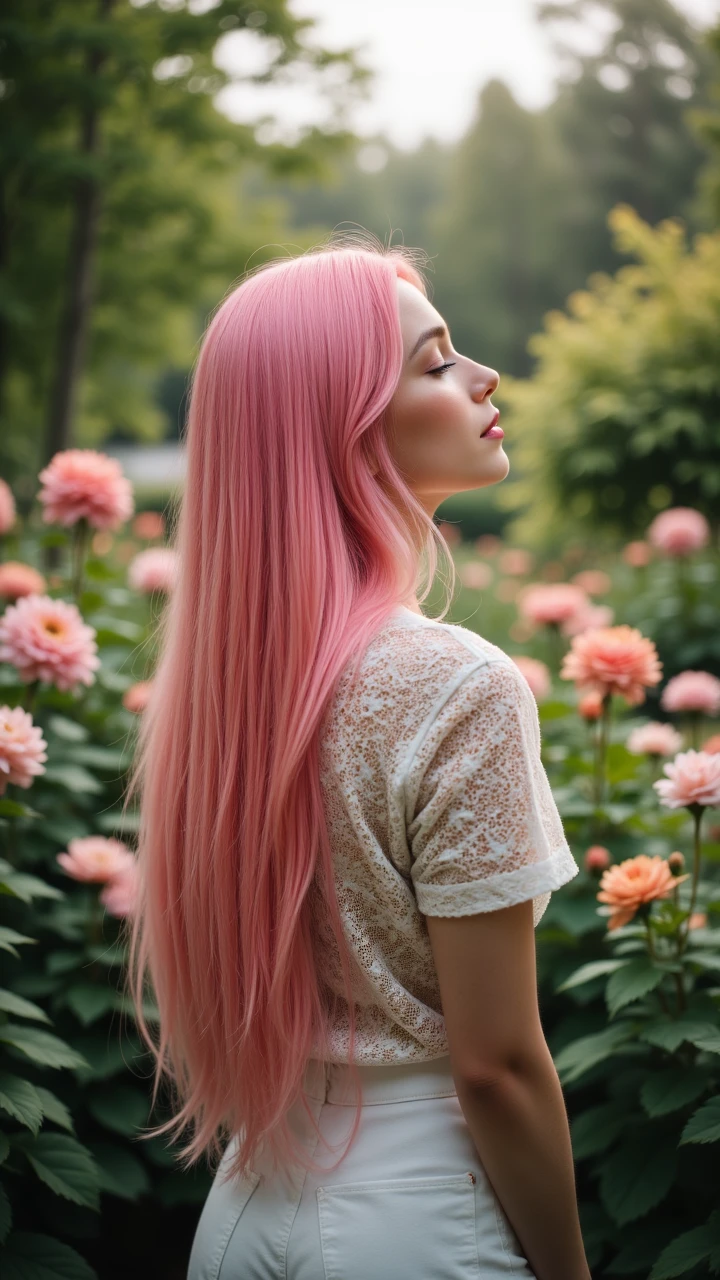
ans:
(506, 1080)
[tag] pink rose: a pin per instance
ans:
(22, 748)
(84, 484)
(693, 778)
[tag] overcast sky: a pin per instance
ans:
(430, 59)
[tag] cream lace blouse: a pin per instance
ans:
(437, 804)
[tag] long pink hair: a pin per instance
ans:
(292, 554)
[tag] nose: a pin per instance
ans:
(485, 382)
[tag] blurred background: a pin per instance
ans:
(153, 150)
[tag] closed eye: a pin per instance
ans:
(442, 367)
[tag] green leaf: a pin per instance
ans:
(28, 887)
(65, 1165)
(579, 1056)
(108, 758)
(115, 821)
(16, 809)
(12, 1003)
(54, 1109)
(637, 1175)
(631, 983)
(10, 936)
(30, 1255)
(70, 730)
(89, 1001)
(5, 1214)
(63, 961)
(98, 570)
(672, 1088)
(594, 1130)
(586, 972)
(708, 1040)
(4, 1147)
(683, 1253)
(40, 1046)
(20, 1099)
(669, 1033)
(124, 1110)
(74, 777)
(704, 1124)
(120, 1172)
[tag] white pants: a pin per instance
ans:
(410, 1201)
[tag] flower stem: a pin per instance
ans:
(697, 814)
(653, 956)
(80, 542)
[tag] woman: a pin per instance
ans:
(347, 835)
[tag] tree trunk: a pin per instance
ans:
(74, 320)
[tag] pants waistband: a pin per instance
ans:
(401, 1082)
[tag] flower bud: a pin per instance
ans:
(597, 858)
(676, 862)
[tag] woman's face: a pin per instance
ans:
(437, 420)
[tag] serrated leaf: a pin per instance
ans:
(637, 1176)
(89, 1001)
(54, 1109)
(669, 1033)
(12, 1003)
(579, 1056)
(8, 937)
(671, 1088)
(586, 972)
(40, 1046)
(683, 1253)
(121, 1173)
(704, 1124)
(31, 1255)
(632, 982)
(594, 1130)
(64, 1165)
(21, 1100)
(28, 887)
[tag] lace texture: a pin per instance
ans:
(437, 803)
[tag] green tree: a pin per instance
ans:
(120, 216)
(622, 416)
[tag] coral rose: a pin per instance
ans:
(679, 531)
(135, 698)
(637, 554)
(475, 574)
(121, 892)
(613, 660)
(84, 484)
(148, 525)
(7, 507)
(693, 778)
(153, 570)
(591, 706)
(22, 748)
(597, 858)
(595, 581)
(18, 579)
(592, 616)
(654, 739)
(95, 858)
(46, 639)
(629, 884)
(536, 673)
(692, 691)
(551, 603)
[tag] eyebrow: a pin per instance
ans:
(439, 331)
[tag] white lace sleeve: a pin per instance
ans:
(482, 825)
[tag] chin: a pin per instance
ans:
(497, 470)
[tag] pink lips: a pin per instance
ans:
(493, 432)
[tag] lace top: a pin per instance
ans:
(437, 804)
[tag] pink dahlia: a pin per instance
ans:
(7, 507)
(121, 891)
(597, 858)
(536, 673)
(595, 581)
(679, 531)
(637, 554)
(135, 698)
(593, 615)
(95, 858)
(17, 579)
(154, 570)
(552, 603)
(692, 691)
(630, 884)
(654, 739)
(613, 660)
(692, 778)
(22, 748)
(84, 484)
(46, 639)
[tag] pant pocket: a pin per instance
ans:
(219, 1218)
(407, 1228)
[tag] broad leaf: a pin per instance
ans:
(30, 1255)
(635, 980)
(21, 1100)
(65, 1165)
(40, 1046)
(704, 1124)
(586, 972)
(12, 1003)
(672, 1088)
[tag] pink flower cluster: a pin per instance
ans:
(679, 531)
(155, 569)
(22, 748)
(693, 691)
(693, 778)
(99, 860)
(84, 484)
(46, 639)
(613, 660)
